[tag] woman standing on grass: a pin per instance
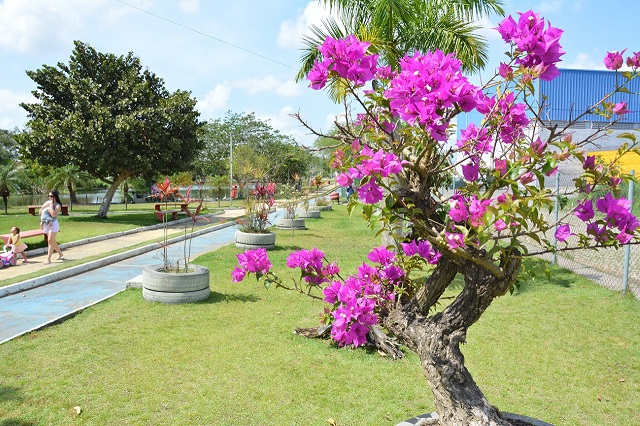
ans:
(49, 223)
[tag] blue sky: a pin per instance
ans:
(242, 55)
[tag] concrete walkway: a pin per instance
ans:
(51, 298)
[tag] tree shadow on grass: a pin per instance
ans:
(10, 394)
(558, 277)
(15, 422)
(141, 219)
(216, 297)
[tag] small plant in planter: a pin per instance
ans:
(309, 210)
(168, 194)
(253, 230)
(290, 201)
(259, 204)
(174, 282)
(323, 204)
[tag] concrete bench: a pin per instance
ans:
(26, 234)
(158, 207)
(160, 214)
(335, 197)
(33, 210)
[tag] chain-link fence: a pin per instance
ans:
(615, 269)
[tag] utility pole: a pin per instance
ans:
(230, 169)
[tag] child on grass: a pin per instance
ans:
(18, 245)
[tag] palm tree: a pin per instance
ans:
(8, 182)
(398, 27)
(69, 177)
(217, 184)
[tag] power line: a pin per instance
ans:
(204, 34)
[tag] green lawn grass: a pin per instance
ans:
(564, 351)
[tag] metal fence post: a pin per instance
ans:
(627, 248)
(556, 217)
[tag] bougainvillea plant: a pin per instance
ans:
(396, 150)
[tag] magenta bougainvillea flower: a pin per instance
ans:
(613, 60)
(563, 232)
(541, 47)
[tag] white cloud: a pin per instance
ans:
(189, 6)
(586, 62)
(288, 125)
(291, 31)
(12, 113)
(549, 6)
(214, 100)
(269, 84)
(36, 26)
(487, 29)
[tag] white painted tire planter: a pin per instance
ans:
(310, 214)
(253, 241)
(325, 208)
(182, 287)
(284, 223)
(183, 297)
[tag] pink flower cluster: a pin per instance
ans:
(510, 116)
(311, 265)
(251, 261)
(375, 164)
(469, 208)
(422, 249)
(614, 60)
(426, 86)
(617, 217)
(356, 300)
(347, 58)
(542, 47)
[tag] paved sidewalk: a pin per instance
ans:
(51, 298)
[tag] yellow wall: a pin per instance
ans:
(629, 161)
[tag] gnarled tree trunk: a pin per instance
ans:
(108, 197)
(436, 339)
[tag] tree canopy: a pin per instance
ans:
(106, 115)
(255, 142)
(8, 146)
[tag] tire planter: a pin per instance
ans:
(252, 241)
(182, 287)
(325, 208)
(284, 223)
(509, 416)
(310, 214)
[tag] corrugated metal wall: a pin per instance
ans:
(576, 90)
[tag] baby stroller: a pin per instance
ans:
(7, 257)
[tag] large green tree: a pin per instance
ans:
(106, 115)
(397, 27)
(8, 146)
(254, 142)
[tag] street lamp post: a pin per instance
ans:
(230, 170)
